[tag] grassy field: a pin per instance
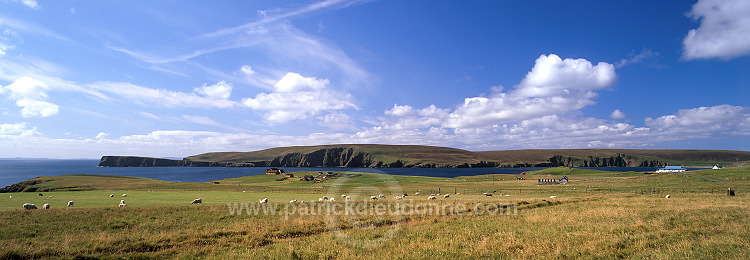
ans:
(597, 215)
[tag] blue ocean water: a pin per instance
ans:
(17, 170)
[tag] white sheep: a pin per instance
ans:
(381, 196)
(343, 195)
(111, 195)
(264, 200)
(668, 196)
(446, 196)
(431, 197)
(124, 195)
(348, 198)
(29, 206)
(70, 203)
(45, 206)
(417, 193)
(196, 201)
(552, 197)
(332, 199)
(399, 197)
(373, 198)
(487, 194)
(122, 203)
(292, 201)
(321, 200)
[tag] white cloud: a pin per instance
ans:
(617, 114)
(167, 98)
(220, 90)
(200, 120)
(296, 97)
(30, 95)
(247, 70)
(101, 135)
(724, 31)
(338, 121)
(634, 58)
(722, 117)
(17, 130)
(30, 3)
(553, 86)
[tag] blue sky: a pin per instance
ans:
(82, 79)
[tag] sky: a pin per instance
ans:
(83, 79)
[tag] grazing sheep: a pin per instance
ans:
(196, 201)
(381, 196)
(343, 195)
(332, 199)
(11, 197)
(487, 194)
(29, 206)
(45, 206)
(70, 203)
(320, 200)
(668, 196)
(124, 195)
(373, 198)
(552, 197)
(325, 197)
(111, 195)
(122, 203)
(431, 197)
(399, 197)
(40, 195)
(292, 201)
(446, 196)
(348, 198)
(264, 200)
(50, 196)
(417, 193)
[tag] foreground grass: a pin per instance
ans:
(695, 226)
(597, 215)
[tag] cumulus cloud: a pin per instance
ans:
(720, 117)
(296, 97)
(220, 90)
(617, 114)
(17, 130)
(101, 135)
(30, 95)
(724, 30)
(552, 86)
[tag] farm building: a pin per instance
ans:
(274, 171)
(671, 169)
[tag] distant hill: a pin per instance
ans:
(372, 155)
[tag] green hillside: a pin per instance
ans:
(373, 155)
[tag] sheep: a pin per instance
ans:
(70, 203)
(124, 195)
(122, 203)
(264, 200)
(552, 197)
(292, 201)
(668, 196)
(41, 195)
(348, 198)
(29, 206)
(50, 196)
(416, 194)
(399, 197)
(111, 195)
(332, 199)
(373, 198)
(343, 195)
(45, 206)
(320, 200)
(196, 201)
(446, 196)
(431, 197)
(487, 194)
(381, 196)
(325, 197)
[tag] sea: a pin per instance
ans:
(18, 170)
